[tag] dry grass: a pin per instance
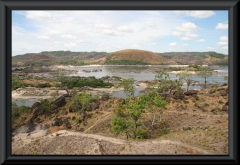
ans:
(140, 55)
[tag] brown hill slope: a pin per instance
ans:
(143, 56)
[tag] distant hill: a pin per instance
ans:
(123, 57)
(134, 57)
(200, 58)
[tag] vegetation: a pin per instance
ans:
(44, 85)
(128, 86)
(123, 62)
(216, 55)
(17, 83)
(72, 62)
(185, 76)
(71, 82)
(205, 72)
(18, 111)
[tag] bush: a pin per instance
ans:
(17, 83)
(17, 111)
(81, 82)
(43, 85)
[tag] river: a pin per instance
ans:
(138, 73)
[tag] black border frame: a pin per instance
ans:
(6, 6)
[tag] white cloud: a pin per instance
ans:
(117, 46)
(111, 33)
(43, 37)
(70, 45)
(135, 46)
(54, 32)
(103, 26)
(188, 26)
(222, 26)
(125, 29)
(224, 38)
(153, 43)
(222, 43)
(191, 35)
(38, 15)
(173, 44)
(201, 13)
(196, 13)
(83, 42)
(210, 48)
(185, 38)
(176, 34)
(225, 47)
(201, 40)
(68, 36)
(185, 44)
(149, 25)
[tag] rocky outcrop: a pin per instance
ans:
(191, 92)
(105, 97)
(95, 105)
(60, 101)
(57, 122)
(36, 104)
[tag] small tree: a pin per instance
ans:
(128, 86)
(185, 76)
(205, 72)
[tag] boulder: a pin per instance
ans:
(64, 112)
(66, 124)
(223, 93)
(36, 104)
(220, 102)
(74, 117)
(226, 103)
(212, 91)
(60, 101)
(121, 100)
(95, 105)
(105, 97)
(191, 92)
(57, 122)
(225, 108)
(39, 111)
(186, 128)
(88, 108)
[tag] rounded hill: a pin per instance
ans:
(136, 57)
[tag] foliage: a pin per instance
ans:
(128, 86)
(44, 85)
(185, 76)
(161, 75)
(205, 72)
(195, 66)
(175, 68)
(203, 55)
(216, 55)
(223, 63)
(109, 61)
(17, 83)
(72, 62)
(17, 111)
(46, 104)
(71, 82)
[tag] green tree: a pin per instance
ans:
(205, 72)
(185, 76)
(128, 85)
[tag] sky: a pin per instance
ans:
(109, 31)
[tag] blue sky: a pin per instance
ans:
(109, 31)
